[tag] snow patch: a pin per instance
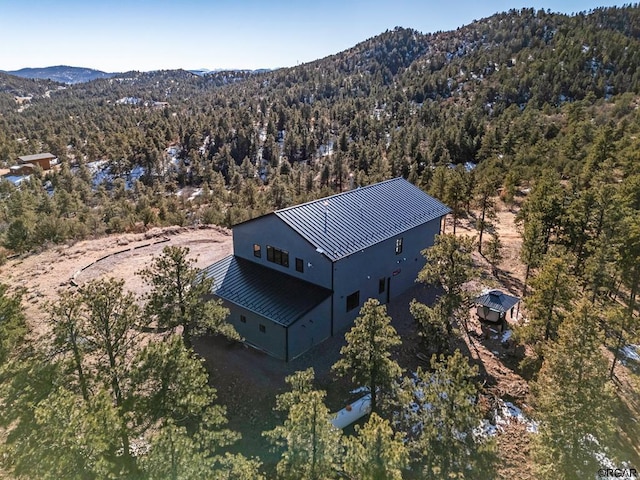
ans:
(631, 352)
(506, 336)
(505, 414)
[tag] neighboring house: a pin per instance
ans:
(301, 274)
(45, 160)
(27, 165)
(21, 170)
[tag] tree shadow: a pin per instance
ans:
(510, 281)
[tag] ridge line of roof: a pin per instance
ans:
(343, 194)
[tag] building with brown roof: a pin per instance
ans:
(43, 159)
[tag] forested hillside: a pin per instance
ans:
(533, 109)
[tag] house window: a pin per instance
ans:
(382, 284)
(275, 255)
(257, 251)
(243, 319)
(353, 301)
(263, 329)
(398, 246)
(299, 265)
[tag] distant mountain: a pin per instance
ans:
(26, 87)
(62, 74)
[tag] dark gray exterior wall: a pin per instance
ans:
(272, 340)
(362, 271)
(311, 329)
(270, 230)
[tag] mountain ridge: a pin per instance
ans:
(61, 73)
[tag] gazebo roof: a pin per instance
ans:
(497, 300)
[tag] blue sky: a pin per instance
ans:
(144, 35)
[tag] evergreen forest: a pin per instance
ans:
(528, 111)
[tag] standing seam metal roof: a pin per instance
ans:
(496, 300)
(343, 224)
(277, 296)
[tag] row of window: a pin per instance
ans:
(278, 256)
(281, 257)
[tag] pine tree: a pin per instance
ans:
(432, 325)
(311, 443)
(179, 296)
(66, 438)
(455, 193)
(483, 199)
(546, 204)
(449, 265)
(532, 249)
(66, 317)
(111, 315)
(367, 354)
(572, 400)
(553, 290)
(375, 452)
(439, 415)
(493, 253)
(13, 326)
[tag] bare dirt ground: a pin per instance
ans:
(119, 256)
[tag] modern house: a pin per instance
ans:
(301, 274)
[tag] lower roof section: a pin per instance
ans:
(277, 296)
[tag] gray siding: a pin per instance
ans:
(362, 271)
(270, 230)
(272, 340)
(310, 330)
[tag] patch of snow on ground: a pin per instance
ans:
(504, 414)
(506, 336)
(631, 352)
(196, 193)
(360, 390)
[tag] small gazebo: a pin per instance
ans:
(493, 306)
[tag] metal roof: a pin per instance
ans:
(269, 293)
(496, 300)
(37, 156)
(345, 223)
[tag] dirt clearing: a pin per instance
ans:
(119, 256)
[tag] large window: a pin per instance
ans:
(275, 255)
(353, 301)
(299, 265)
(398, 246)
(257, 250)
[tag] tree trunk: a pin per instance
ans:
(481, 229)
